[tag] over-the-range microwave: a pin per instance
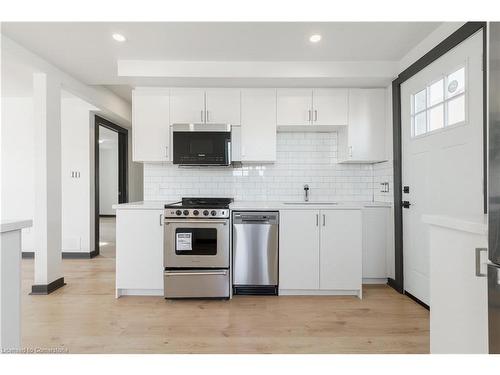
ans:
(201, 144)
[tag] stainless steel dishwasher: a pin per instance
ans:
(255, 252)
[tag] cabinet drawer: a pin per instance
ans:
(197, 283)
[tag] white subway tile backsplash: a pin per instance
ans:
(302, 158)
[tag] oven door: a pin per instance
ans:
(202, 147)
(196, 243)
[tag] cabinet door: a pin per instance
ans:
(150, 125)
(223, 106)
(294, 107)
(366, 131)
(258, 125)
(299, 249)
(330, 106)
(375, 242)
(187, 106)
(340, 251)
(139, 249)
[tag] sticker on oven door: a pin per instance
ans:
(183, 241)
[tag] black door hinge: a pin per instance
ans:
(405, 204)
(406, 189)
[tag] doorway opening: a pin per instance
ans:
(111, 181)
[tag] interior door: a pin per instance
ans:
(442, 154)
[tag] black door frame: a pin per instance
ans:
(464, 32)
(122, 169)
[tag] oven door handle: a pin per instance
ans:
(174, 273)
(196, 221)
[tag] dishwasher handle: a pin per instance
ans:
(255, 218)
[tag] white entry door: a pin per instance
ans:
(442, 155)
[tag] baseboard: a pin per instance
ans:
(423, 304)
(43, 289)
(79, 255)
(65, 255)
(374, 280)
(392, 283)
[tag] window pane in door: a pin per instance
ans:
(455, 83)
(436, 117)
(420, 99)
(420, 124)
(436, 92)
(456, 110)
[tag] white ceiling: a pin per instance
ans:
(87, 51)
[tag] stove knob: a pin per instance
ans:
(205, 212)
(178, 212)
(186, 212)
(213, 212)
(196, 212)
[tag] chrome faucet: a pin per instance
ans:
(306, 193)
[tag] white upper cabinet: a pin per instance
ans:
(330, 107)
(364, 139)
(306, 107)
(222, 106)
(187, 106)
(294, 107)
(150, 125)
(258, 125)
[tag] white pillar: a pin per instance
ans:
(47, 217)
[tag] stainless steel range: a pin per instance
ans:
(197, 248)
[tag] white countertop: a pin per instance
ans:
(260, 205)
(471, 224)
(10, 225)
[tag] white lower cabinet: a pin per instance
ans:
(320, 252)
(375, 244)
(139, 252)
(299, 249)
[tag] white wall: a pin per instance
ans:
(108, 170)
(18, 163)
(76, 200)
(135, 175)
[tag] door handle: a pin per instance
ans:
(324, 220)
(196, 221)
(405, 204)
(166, 152)
(478, 261)
(208, 116)
(317, 220)
(201, 113)
(220, 273)
(161, 220)
(309, 115)
(315, 115)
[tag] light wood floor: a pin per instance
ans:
(84, 317)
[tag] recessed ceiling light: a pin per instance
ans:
(119, 37)
(315, 38)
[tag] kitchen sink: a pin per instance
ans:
(310, 203)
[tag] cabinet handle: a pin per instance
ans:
(208, 116)
(350, 151)
(309, 115)
(166, 152)
(317, 220)
(324, 219)
(315, 115)
(478, 261)
(161, 220)
(201, 113)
